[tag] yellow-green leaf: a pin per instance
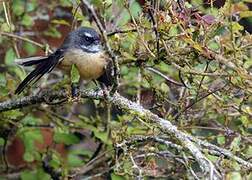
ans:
(245, 14)
(75, 76)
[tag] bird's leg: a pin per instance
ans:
(103, 87)
(105, 91)
(75, 91)
(95, 82)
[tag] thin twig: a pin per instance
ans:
(90, 165)
(155, 25)
(198, 100)
(170, 80)
(6, 14)
(201, 81)
(24, 39)
(121, 32)
(141, 139)
(135, 166)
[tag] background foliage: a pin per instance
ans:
(189, 62)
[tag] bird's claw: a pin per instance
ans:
(75, 93)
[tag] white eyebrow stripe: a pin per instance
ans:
(88, 34)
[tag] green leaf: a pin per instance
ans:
(128, 44)
(30, 48)
(12, 114)
(173, 31)
(125, 17)
(27, 175)
(75, 76)
(37, 174)
(28, 156)
(116, 177)
(237, 27)
(41, 175)
(29, 137)
(31, 6)
(83, 152)
(164, 88)
(135, 10)
(31, 120)
(19, 72)
(234, 176)
(18, 7)
(6, 28)
(103, 136)
(248, 63)
(2, 141)
(249, 151)
(74, 160)
(221, 140)
(188, 5)
(65, 3)
(60, 21)
(55, 161)
(27, 20)
(244, 14)
(65, 138)
(2, 80)
(10, 56)
(245, 121)
(213, 46)
(53, 32)
(235, 145)
(136, 130)
(212, 158)
(248, 1)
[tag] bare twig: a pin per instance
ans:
(135, 166)
(197, 100)
(24, 39)
(90, 165)
(141, 139)
(6, 6)
(154, 17)
(168, 79)
(121, 32)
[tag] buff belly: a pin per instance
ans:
(90, 65)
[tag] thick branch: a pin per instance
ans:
(44, 97)
(137, 110)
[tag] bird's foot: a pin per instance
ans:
(75, 93)
(105, 92)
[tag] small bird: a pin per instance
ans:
(82, 47)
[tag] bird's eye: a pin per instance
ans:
(88, 38)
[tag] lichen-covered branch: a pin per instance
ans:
(193, 144)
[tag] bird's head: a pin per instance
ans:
(84, 38)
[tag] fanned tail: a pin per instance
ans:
(31, 61)
(44, 65)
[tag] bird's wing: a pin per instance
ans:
(106, 78)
